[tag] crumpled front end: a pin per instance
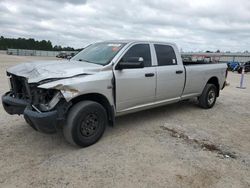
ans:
(16, 100)
(13, 105)
(43, 109)
(44, 101)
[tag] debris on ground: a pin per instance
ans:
(203, 144)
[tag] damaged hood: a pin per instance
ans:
(45, 70)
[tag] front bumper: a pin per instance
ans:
(46, 122)
(13, 105)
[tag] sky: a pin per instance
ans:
(194, 25)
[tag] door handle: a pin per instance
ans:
(179, 72)
(149, 74)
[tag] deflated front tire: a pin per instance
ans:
(86, 122)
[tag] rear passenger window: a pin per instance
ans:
(165, 55)
(140, 50)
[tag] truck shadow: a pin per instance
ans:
(138, 119)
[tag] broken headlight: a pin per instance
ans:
(45, 99)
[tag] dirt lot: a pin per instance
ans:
(179, 145)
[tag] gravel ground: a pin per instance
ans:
(179, 145)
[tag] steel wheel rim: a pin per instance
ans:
(89, 125)
(211, 97)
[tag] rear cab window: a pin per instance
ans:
(165, 55)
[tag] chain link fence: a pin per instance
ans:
(23, 52)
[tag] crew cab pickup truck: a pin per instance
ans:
(107, 79)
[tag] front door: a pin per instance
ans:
(135, 87)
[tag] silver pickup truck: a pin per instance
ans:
(107, 79)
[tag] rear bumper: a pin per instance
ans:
(46, 122)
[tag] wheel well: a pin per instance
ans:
(215, 81)
(99, 98)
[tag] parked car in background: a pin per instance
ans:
(233, 66)
(246, 66)
(107, 79)
(70, 55)
(66, 55)
(62, 55)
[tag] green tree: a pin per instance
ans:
(22, 43)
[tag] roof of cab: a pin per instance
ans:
(134, 41)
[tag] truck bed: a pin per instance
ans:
(197, 76)
(197, 63)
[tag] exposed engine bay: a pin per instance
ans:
(40, 99)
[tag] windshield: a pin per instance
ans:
(99, 53)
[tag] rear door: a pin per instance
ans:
(135, 87)
(170, 73)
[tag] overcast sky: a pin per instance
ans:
(193, 24)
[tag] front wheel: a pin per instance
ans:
(86, 122)
(208, 96)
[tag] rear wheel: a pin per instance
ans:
(208, 96)
(240, 70)
(85, 124)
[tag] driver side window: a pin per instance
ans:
(140, 50)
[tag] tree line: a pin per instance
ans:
(30, 44)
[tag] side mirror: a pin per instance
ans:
(130, 63)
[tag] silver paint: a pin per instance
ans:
(134, 91)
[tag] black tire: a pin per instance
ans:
(208, 96)
(86, 123)
(239, 70)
